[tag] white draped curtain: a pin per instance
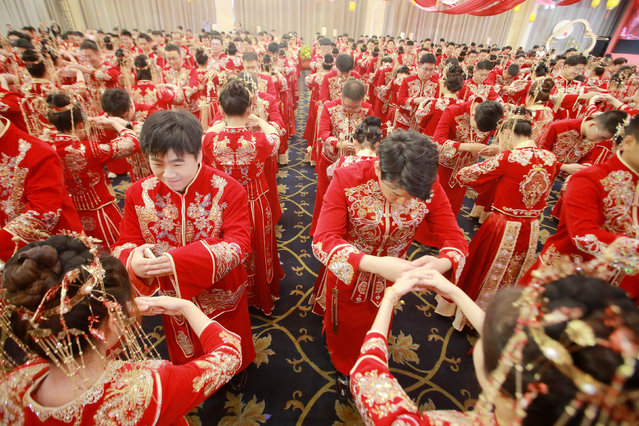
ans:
(20, 13)
(306, 17)
(147, 14)
(402, 16)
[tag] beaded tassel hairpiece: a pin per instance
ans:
(64, 349)
(600, 403)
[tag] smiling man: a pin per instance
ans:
(186, 233)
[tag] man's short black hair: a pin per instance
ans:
(576, 60)
(344, 62)
(354, 89)
(619, 61)
(428, 58)
(632, 129)
(484, 65)
(609, 120)
(249, 56)
(172, 48)
(409, 159)
(90, 45)
(115, 102)
(176, 130)
(126, 33)
(145, 36)
(513, 70)
(487, 115)
(23, 43)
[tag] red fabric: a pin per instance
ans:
(163, 393)
(335, 125)
(482, 7)
(331, 87)
(413, 87)
(453, 129)
(595, 212)
(472, 89)
(206, 233)
(341, 240)
(35, 201)
(88, 184)
(10, 108)
(242, 153)
(506, 243)
(380, 398)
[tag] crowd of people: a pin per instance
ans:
(398, 131)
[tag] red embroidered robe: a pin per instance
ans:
(88, 184)
(413, 87)
(505, 246)
(148, 392)
(483, 90)
(335, 125)
(147, 92)
(564, 139)
(453, 129)
(599, 209)
(206, 233)
(356, 219)
(381, 400)
(331, 88)
(314, 83)
(10, 108)
(34, 203)
(242, 154)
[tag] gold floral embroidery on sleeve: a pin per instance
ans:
(589, 243)
(338, 263)
(380, 394)
(623, 253)
(117, 251)
(375, 343)
(456, 257)
(472, 173)
(33, 226)
(218, 368)
(226, 257)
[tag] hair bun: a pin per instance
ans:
(371, 120)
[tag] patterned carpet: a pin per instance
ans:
(292, 380)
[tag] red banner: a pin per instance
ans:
(482, 7)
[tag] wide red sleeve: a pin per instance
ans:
(441, 221)
(325, 94)
(329, 240)
(43, 197)
(482, 175)
(445, 132)
(183, 387)
(379, 397)
(547, 138)
(274, 114)
(208, 260)
(402, 97)
(325, 128)
(582, 213)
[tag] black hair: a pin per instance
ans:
(234, 97)
(115, 102)
(145, 36)
(619, 61)
(410, 160)
(487, 115)
(273, 47)
(427, 58)
(90, 45)
(142, 69)
(403, 70)
(353, 89)
(369, 131)
(454, 78)
(576, 60)
(176, 130)
(541, 89)
(64, 121)
(513, 70)
(328, 62)
(200, 57)
(484, 65)
(344, 62)
(593, 297)
(126, 33)
(249, 56)
(23, 43)
(38, 267)
(172, 48)
(609, 120)
(231, 49)
(34, 63)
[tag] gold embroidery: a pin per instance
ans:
(617, 204)
(127, 398)
(535, 186)
(494, 277)
(380, 394)
(218, 369)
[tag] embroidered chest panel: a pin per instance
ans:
(378, 227)
(12, 177)
(169, 225)
(417, 89)
(620, 187)
(570, 147)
